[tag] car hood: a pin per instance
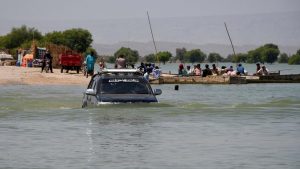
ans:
(121, 98)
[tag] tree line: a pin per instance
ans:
(268, 53)
(76, 39)
(81, 39)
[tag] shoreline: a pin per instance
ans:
(13, 75)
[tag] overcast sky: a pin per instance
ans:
(246, 18)
(108, 9)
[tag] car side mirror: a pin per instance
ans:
(157, 91)
(90, 92)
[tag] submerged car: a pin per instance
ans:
(119, 86)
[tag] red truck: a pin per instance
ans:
(70, 61)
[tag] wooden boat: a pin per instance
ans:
(272, 78)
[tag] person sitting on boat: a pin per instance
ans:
(215, 70)
(257, 68)
(223, 70)
(184, 72)
(156, 72)
(230, 69)
(147, 74)
(142, 67)
(189, 70)
(263, 71)
(180, 69)
(197, 70)
(152, 67)
(240, 70)
(206, 71)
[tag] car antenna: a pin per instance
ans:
(153, 39)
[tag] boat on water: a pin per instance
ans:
(271, 78)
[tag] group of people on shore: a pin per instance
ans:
(227, 71)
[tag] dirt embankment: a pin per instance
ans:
(32, 76)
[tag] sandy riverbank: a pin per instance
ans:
(12, 75)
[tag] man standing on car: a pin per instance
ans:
(90, 63)
(120, 62)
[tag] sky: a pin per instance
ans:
(109, 9)
(112, 21)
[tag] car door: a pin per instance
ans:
(90, 98)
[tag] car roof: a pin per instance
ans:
(121, 72)
(118, 73)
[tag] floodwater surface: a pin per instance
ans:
(198, 126)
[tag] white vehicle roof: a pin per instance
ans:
(120, 71)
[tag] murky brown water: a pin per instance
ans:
(199, 126)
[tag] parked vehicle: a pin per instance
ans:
(37, 63)
(119, 86)
(70, 61)
(6, 59)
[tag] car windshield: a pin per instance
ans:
(124, 86)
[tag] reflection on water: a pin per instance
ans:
(212, 126)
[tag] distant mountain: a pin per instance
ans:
(145, 48)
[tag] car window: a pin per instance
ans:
(124, 86)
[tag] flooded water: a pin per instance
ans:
(198, 126)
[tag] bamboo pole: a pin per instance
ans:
(153, 38)
(230, 39)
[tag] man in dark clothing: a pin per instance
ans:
(43, 61)
(143, 67)
(206, 71)
(49, 58)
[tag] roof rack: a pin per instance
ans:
(120, 71)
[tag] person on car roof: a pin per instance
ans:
(120, 62)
